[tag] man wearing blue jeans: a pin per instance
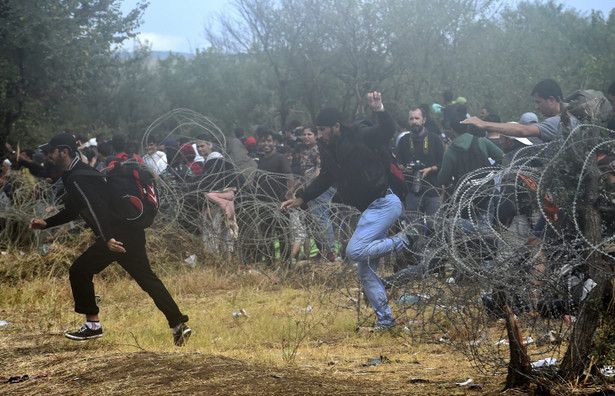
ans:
(354, 160)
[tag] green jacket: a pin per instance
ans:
(461, 144)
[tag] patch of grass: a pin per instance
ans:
(304, 319)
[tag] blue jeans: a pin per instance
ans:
(368, 243)
(414, 272)
(320, 208)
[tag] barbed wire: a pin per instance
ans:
(481, 267)
(463, 267)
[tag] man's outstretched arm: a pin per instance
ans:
(509, 129)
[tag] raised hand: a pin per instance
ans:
(374, 100)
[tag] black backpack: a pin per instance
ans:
(133, 190)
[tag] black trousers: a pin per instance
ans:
(98, 257)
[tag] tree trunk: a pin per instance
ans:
(519, 368)
(576, 359)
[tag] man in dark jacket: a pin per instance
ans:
(421, 153)
(88, 197)
(352, 161)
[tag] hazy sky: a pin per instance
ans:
(178, 25)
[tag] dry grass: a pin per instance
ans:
(299, 337)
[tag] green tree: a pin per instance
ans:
(229, 89)
(598, 67)
(51, 50)
(274, 33)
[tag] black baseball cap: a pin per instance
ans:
(59, 141)
(329, 116)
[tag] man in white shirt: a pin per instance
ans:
(154, 158)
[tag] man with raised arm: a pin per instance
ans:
(353, 160)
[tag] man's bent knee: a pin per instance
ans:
(354, 252)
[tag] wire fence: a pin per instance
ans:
(483, 251)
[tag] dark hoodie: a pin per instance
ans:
(462, 144)
(356, 164)
(87, 197)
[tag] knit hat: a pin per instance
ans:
(170, 142)
(528, 118)
(187, 153)
(461, 100)
(329, 116)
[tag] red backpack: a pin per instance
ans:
(133, 189)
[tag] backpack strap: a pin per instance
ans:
(425, 143)
(86, 172)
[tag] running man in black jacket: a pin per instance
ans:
(352, 160)
(116, 240)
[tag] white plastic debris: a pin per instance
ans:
(588, 285)
(526, 340)
(545, 362)
(607, 371)
(4, 323)
(466, 382)
(241, 312)
(191, 260)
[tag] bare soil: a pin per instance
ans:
(67, 367)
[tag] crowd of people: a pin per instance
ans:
(358, 190)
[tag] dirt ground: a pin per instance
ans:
(57, 366)
(66, 367)
(106, 366)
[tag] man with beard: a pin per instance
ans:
(88, 195)
(419, 154)
(352, 160)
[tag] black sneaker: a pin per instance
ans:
(180, 337)
(85, 333)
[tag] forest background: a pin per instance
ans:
(269, 62)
